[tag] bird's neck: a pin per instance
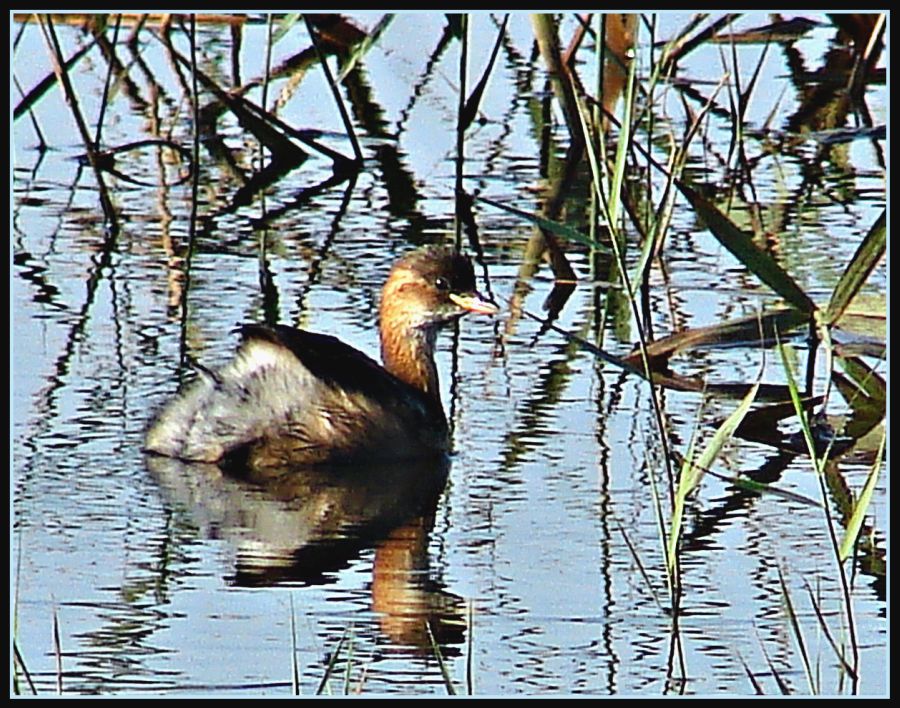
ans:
(408, 353)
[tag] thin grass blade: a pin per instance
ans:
(827, 632)
(676, 521)
(31, 98)
(349, 663)
(682, 46)
(757, 688)
(448, 681)
(335, 91)
(20, 662)
(470, 109)
(745, 96)
(786, 354)
(332, 662)
(470, 673)
(780, 682)
(57, 651)
(818, 465)
(640, 564)
(624, 143)
(552, 226)
(751, 485)
(862, 505)
(798, 633)
(62, 76)
(295, 668)
(866, 379)
(692, 470)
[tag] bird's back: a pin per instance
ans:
(296, 397)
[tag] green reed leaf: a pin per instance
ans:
(862, 504)
(867, 256)
(741, 245)
(692, 470)
(552, 226)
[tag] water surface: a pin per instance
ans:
(179, 579)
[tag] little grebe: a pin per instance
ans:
(295, 397)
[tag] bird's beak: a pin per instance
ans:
(475, 302)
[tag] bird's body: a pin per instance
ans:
(296, 397)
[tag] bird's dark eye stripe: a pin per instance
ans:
(442, 283)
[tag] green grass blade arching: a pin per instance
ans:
(870, 251)
(692, 471)
(862, 504)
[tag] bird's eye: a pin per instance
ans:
(442, 284)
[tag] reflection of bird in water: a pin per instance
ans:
(407, 598)
(303, 525)
(296, 397)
